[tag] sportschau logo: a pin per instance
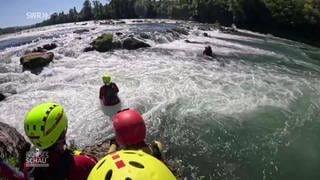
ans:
(36, 158)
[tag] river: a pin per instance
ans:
(251, 112)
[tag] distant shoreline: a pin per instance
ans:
(278, 33)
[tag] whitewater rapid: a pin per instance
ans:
(189, 101)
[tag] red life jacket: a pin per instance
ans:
(66, 166)
(8, 172)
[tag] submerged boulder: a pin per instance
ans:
(12, 144)
(205, 27)
(103, 43)
(97, 151)
(180, 30)
(116, 44)
(106, 42)
(89, 48)
(44, 48)
(119, 33)
(38, 49)
(193, 42)
(80, 31)
(49, 46)
(120, 22)
(137, 21)
(132, 43)
(2, 97)
(36, 59)
(173, 33)
(106, 22)
(145, 35)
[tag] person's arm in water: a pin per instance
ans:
(157, 149)
(113, 146)
(115, 87)
(101, 92)
(7, 172)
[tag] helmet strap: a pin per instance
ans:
(60, 145)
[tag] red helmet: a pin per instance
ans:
(129, 127)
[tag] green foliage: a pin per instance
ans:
(311, 11)
(183, 11)
(212, 11)
(144, 8)
(98, 10)
(288, 12)
(282, 17)
(244, 13)
(123, 8)
(86, 12)
(73, 15)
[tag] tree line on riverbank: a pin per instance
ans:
(293, 19)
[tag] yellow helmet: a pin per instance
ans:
(106, 79)
(130, 165)
(44, 124)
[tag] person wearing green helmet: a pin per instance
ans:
(130, 164)
(108, 92)
(46, 125)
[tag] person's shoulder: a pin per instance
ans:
(81, 167)
(84, 160)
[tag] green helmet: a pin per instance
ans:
(44, 124)
(106, 79)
